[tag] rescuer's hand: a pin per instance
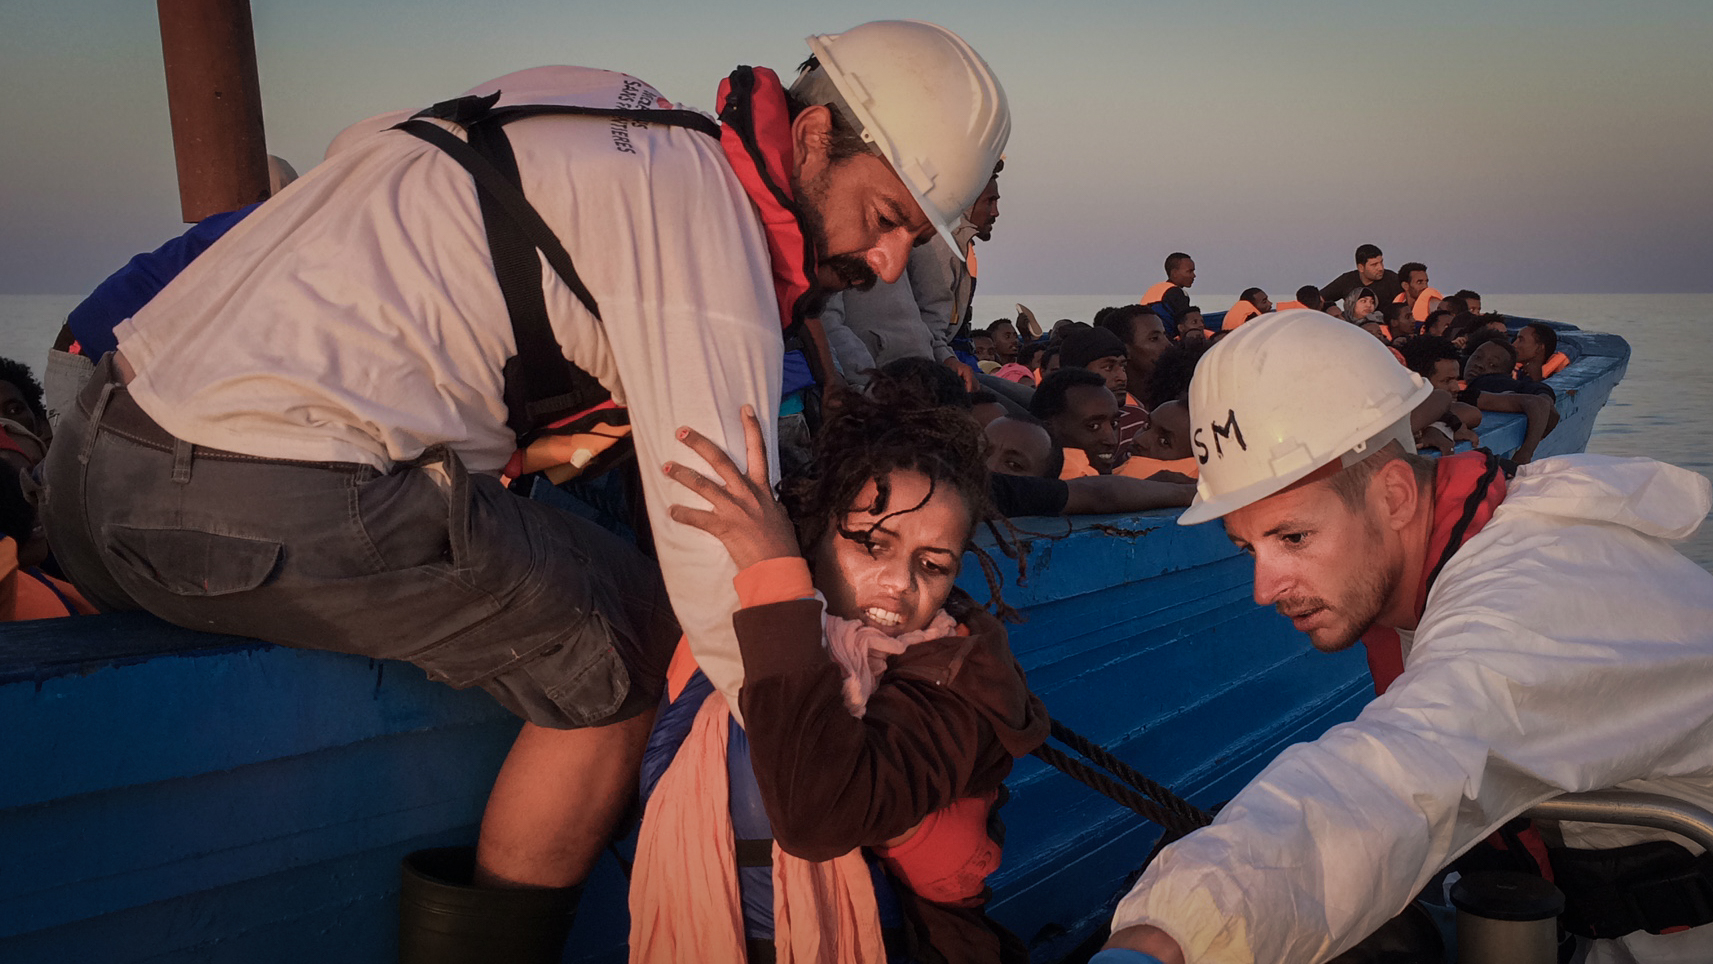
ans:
(963, 371)
(745, 516)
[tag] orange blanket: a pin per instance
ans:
(684, 899)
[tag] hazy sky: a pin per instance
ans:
(1512, 145)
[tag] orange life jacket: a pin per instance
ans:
(1239, 313)
(1155, 293)
(31, 594)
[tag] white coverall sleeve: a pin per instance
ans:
(1337, 836)
(701, 339)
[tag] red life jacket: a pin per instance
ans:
(1466, 490)
(755, 131)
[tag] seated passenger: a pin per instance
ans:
(982, 346)
(1488, 385)
(1022, 446)
(1438, 322)
(1172, 300)
(1470, 300)
(1538, 357)
(1144, 337)
(1004, 335)
(1099, 351)
(1308, 297)
(1360, 305)
(1162, 450)
(1171, 377)
(884, 719)
(1192, 330)
(1252, 302)
(24, 428)
(1082, 414)
(1436, 359)
(1418, 296)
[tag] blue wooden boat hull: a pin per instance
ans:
(172, 796)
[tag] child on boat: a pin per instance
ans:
(885, 717)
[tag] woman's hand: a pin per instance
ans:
(745, 516)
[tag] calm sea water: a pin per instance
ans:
(1663, 408)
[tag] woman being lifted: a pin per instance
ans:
(879, 723)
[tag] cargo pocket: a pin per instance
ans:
(584, 676)
(189, 562)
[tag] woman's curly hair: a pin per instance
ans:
(897, 426)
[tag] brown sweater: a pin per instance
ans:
(946, 722)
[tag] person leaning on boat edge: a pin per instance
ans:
(300, 438)
(1553, 641)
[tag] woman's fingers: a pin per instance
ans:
(755, 448)
(698, 483)
(721, 463)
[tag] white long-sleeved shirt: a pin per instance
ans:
(1566, 647)
(355, 317)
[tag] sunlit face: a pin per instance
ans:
(1326, 567)
(985, 211)
(1148, 341)
(1183, 274)
(1089, 422)
(1414, 285)
(858, 212)
(1262, 303)
(1016, 447)
(1371, 270)
(1529, 347)
(898, 576)
(1364, 307)
(1112, 369)
(1490, 359)
(1167, 436)
(1446, 374)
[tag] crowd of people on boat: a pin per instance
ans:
(603, 488)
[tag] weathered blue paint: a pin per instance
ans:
(171, 796)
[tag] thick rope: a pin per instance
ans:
(1177, 815)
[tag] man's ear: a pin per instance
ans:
(811, 135)
(1399, 495)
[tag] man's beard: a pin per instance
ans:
(852, 270)
(1356, 610)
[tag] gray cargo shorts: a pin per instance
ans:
(563, 623)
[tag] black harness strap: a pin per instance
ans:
(541, 385)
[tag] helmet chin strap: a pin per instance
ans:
(1398, 431)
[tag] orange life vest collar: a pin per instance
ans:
(1467, 489)
(755, 131)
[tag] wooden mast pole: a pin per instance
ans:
(216, 104)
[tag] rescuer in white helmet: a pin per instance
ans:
(302, 439)
(1530, 636)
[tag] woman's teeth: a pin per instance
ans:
(882, 617)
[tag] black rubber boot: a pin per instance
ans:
(444, 919)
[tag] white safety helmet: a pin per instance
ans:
(1286, 394)
(930, 106)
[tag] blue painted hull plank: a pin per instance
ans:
(175, 796)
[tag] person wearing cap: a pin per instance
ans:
(301, 439)
(1548, 639)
